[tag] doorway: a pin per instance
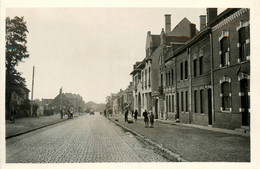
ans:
(209, 106)
(245, 105)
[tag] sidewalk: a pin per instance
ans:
(25, 125)
(193, 142)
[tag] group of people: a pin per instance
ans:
(148, 117)
(69, 113)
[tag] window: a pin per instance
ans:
(186, 101)
(172, 78)
(170, 109)
(172, 103)
(142, 79)
(166, 78)
(226, 96)
(195, 101)
(162, 80)
(242, 42)
(201, 101)
(149, 77)
(224, 51)
(195, 67)
(166, 103)
(145, 77)
(182, 101)
(181, 71)
(186, 69)
(201, 64)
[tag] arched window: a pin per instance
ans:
(186, 69)
(242, 44)
(226, 96)
(224, 51)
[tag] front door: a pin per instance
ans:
(244, 88)
(156, 108)
(209, 107)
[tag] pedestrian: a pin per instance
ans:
(151, 119)
(135, 114)
(146, 120)
(12, 116)
(61, 113)
(68, 112)
(126, 115)
(38, 113)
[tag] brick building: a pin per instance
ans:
(206, 80)
(145, 75)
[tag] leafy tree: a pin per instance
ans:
(16, 51)
(25, 107)
(108, 100)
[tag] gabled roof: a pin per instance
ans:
(65, 102)
(182, 28)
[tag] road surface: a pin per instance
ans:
(88, 138)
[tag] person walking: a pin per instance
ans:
(151, 119)
(126, 115)
(135, 114)
(146, 120)
(61, 113)
(38, 113)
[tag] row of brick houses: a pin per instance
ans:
(198, 77)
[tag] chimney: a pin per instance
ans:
(192, 30)
(202, 22)
(167, 23)
(212, 13)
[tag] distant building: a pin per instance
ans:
(147, 82)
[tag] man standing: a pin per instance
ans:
(135, 114)
(61, 113)
(126, 115)
(151, 119)
(146, 120)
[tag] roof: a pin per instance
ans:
(182, 28)
(57, 99)
(206, 30)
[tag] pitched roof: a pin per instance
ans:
(182, 28)
(57, 99)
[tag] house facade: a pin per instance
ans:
(207, 80)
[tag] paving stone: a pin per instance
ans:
(85, 139)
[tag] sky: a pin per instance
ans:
(89, 51)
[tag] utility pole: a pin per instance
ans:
(32, 92)
(60, 98)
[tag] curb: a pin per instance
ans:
(227, 131)
(174, 155)
(24, 132)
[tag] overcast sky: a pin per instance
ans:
(89, 51)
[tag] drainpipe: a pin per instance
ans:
(190, 83)
(212, 80)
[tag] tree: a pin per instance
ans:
(16, 51)
(108, 100)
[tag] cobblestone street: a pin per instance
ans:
(89, 138)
